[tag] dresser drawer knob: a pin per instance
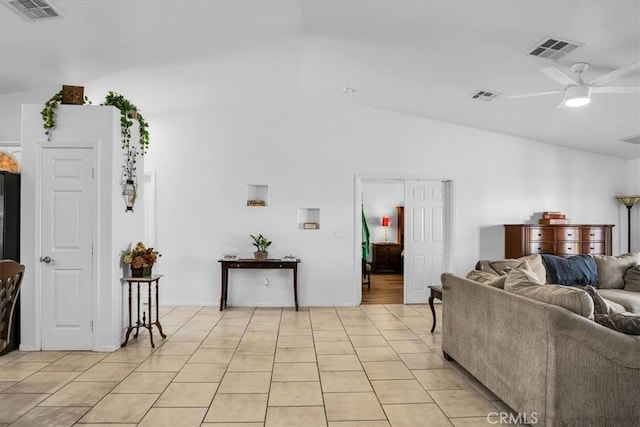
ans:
(591, 234)
(569, 234)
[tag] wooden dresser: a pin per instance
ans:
(386, 257)
(561, 240)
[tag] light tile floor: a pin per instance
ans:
(373, 365)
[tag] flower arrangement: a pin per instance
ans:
(141, 256)
(8, 163)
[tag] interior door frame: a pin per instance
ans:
(37, 214)
(449, 220)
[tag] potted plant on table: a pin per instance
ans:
(141, 260)
(262, 244)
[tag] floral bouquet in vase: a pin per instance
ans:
(141, 260)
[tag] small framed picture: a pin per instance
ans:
(310, 225)
(230, 257)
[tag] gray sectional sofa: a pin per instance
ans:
(539, 349)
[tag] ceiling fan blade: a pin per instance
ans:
(616, 89)
(621, 72)
(529, 95)
(560, 77)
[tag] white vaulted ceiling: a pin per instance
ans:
(423, 58)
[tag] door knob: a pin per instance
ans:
(47, 259)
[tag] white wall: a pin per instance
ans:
(307, 150)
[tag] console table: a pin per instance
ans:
(146, 323)
(250, 263)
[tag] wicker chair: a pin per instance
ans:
(11, 274)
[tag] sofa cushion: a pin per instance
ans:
(487, 278)
(632, 279)
(602, 305)
(503, 266)
(627, 323)
(522, 281)
(629, 300)
(577, 270)
(611, 269)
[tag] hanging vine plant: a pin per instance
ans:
(48, 113)
(128, 113)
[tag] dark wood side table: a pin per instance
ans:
(145, 323)
(250, 263)
(436, 292)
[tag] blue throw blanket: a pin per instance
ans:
(577, 270)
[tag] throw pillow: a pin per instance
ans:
(520, 278)
(611, 270)
(600, 305)
(487, 278)
(536, 265)
(632, 279)
(627, 323)
(522, 281)
(577, 270)
(480, 276)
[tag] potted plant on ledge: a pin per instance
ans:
(262, 244)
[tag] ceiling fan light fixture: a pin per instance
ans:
(577, 96)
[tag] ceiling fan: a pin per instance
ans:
(577, 92)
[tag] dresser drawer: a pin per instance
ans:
(592, 234)
(389, 249)
(541, 248)
(596, 248)
(568, 248)
(540, 234)
(568, 234)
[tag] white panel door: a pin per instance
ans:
(424, 238)
(66, 263)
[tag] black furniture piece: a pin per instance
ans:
(11, 274)
(249, 263)
(10, 241)
(386, 257)
(366, 273)
(145, 323)
(436, 292)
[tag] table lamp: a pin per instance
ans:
(386, 222)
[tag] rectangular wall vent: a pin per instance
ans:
(32, 10)
(635, 139)
(553, 48)
(485, 95)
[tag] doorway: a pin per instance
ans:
(383, 214)
(419, 210)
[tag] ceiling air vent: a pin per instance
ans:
(553, 48)
(32, 10)
(635, 139)
(485, 95)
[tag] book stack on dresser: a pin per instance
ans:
(554, 218)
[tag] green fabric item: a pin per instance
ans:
(365, 237)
